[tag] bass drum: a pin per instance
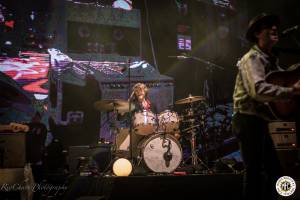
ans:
(161, 153)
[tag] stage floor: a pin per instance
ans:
(194, 186)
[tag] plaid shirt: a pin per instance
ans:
(252, 92)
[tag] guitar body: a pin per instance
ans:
(285, 109)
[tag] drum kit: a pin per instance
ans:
(159, 148)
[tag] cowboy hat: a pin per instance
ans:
(259, 20)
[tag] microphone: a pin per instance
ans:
(289, 30)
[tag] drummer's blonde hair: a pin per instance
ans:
(139, 86)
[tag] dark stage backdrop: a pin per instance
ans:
(289, 18)
(217, 35)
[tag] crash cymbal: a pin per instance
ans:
(190, 99)
(110, 105)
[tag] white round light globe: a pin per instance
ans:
(122, 167)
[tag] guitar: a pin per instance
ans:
(285, 109)
(14, 127)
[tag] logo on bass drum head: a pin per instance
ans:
(285, 186)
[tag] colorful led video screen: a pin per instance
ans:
(30, 71)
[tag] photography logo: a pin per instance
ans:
(285, 186)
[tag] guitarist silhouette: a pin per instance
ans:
(254, 94)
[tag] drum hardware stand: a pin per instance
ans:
(209, 86)
(196, 161)
(203, 123)
(115, 130)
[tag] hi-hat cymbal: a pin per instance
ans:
(109, 105)
(190, 99)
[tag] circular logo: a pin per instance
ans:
(285, 186)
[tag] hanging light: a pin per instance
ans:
(122, 167)
(32, 15)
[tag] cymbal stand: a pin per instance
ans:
(114, 130)
(196, 161)
(130, 113)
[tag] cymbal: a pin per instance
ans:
(190, 128)
(109, 105)
(188, 121)
(190, 99)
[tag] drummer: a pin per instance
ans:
(141, 101)
(140, 98)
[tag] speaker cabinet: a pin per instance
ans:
(283, 134)
(12, 150)
(77, 111)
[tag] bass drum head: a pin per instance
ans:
(162, 153)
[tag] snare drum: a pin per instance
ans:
(144, 123)
(161, 153)
(168, 121)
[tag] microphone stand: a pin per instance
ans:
(130, 113)
(211, 90)
(210, 66)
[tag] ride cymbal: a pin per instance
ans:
(190, 99)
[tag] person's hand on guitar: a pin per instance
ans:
(296, 88)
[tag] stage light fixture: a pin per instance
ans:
(122, 167)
